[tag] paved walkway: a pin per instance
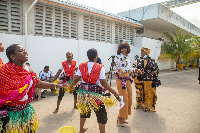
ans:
(178, 109)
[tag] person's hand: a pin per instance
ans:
(1, 47)
(121, 72)
(61, 85)
(139, 71)
(152, 73)
(117, 97)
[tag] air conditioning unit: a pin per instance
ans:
(139, 30)
(123, 40)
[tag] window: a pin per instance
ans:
(55, 21)
(11, 16)
(123, 32)
(97, 29)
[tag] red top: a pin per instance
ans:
(94, 75)
(69, 71)
(14, 84)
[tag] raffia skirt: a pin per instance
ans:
(24, 121)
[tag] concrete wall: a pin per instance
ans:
(150, 34)
(142, 13)
(159, 11)
(155, 46)
(172, 17)
(52, 51)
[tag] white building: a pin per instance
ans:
(54, 27)
(156, 20)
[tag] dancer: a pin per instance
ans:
(147, 82)
(66, 77)
(90, 94)
(17, 85)
(123, 81)
(1, 50)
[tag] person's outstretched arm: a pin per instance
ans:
(56, 76)
(105, 85)
(75, 81)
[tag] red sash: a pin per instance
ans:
(14, 83)
(94, 75)
(1, 62)
(69, 71)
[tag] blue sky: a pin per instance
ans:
(189, 12)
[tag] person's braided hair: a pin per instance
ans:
(10, 51)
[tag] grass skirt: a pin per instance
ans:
(24, 121)
(88, 101)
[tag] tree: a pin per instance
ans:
(178, 47)
(196, 47)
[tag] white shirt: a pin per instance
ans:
(90, 65)
(45, 76)
(123, 62)
(30, 85)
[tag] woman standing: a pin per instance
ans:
(123, 81)
(147, 82)
(17, 85)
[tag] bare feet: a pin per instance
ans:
(84, 129)
(56, 111)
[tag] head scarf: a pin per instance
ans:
(147, 50)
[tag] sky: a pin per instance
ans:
(189, 12)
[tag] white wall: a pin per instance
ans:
(169, 64)
(155, 46)
(52, 51)
(7, 40)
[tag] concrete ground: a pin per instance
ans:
(178, 109)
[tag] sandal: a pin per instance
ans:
(145, 109)
(120, 124)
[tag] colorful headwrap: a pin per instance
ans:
(147, 50)
(14, 84)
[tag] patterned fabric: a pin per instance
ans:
(93, 77)
(122, 61)
(24, 121)
(124, 80)
(145, 94)
(14, 84)
(69, 71)
(63, 78)
(146, 84)
(90, 97)
(1, 62)
(150, 66)
(147, 50)
(93, 88)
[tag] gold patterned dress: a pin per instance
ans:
(146, 84)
